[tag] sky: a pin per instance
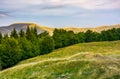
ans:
(60, 13)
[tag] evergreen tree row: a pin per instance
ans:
(64, 38)
(23, 45)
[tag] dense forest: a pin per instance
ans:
(23, 45)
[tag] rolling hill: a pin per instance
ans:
(18, 27)
(96, 60)
(96, 29)
(40, 29)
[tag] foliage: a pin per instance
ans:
(47, 45)
(43, 34)
(1, 37)
(64, 38)
(14, 33)
(94, 60)
(26, 44)
(23, 45)
(22, 33)
(26, 47)
(10, 52)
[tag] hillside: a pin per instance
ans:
(97, 28)
(40, 29)
(19, 26)
(97, 60)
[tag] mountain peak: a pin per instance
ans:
(24, 25)
(20, 26)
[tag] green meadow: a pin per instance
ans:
(95, 60)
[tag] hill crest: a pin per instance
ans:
(24, 25)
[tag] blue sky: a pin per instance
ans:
(60, 13)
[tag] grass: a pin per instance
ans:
(96, 60)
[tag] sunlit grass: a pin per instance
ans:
(97, 60)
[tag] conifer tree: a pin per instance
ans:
(10, 53)
(22, 33)
(88, 36)
(5, 36)
(28, 33)
(41, 35)
(35, 31)
(14, 33)
(47, 45)
(1, 37)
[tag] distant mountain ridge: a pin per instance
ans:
(18, 27)
(40, 29)
(96, 29)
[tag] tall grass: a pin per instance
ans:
(97, 60)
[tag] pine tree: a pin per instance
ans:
(88, 36)
(28, 33)
(118, 33)
(5, 36)
(81, 37)
(22, 33)
(11, 52)
(26, 47)
(14, 33)
(1, 37)
(47, 45)
(35, 31)
(41, 35)
(59, 36)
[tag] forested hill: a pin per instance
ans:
(40, 29)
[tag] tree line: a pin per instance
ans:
(64, 38)
(23, 45)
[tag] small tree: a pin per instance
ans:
(10, 52)
(14, 33)
(22, 33)
(26, 47)
(28, 33)
(58, 36)
(0, 64)
(42, 35)
(81, 37)
(88, 36)
(5, 36)
(35, 31)
(1, 37)
(47, 45)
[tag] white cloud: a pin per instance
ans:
(87, 4)
(92, 4)
(2, 14)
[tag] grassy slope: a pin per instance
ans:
(97, 60)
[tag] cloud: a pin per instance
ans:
(83, 8)
(78, 9)
(92, 4)
(53, 6)
(86, 4)
(3, 14)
